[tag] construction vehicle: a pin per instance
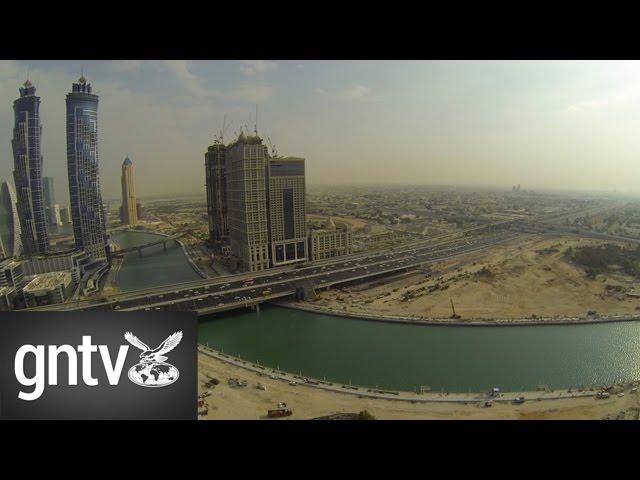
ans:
(279, 412)
(454, 315)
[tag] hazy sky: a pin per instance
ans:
(541, 124)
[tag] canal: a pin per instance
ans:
(452, 359)
(156, 267)
(400, 356)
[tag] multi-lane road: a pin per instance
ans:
(244, 290)
(231, 292)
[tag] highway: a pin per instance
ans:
(243, 291)
(249, 289)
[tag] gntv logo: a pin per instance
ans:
(98, 365)
(152, 371)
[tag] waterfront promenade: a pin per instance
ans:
(369, 392)
(462, 322)
(246, 390)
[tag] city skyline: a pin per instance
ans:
(433, 123)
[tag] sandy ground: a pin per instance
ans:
(239, 403)
(527, 278)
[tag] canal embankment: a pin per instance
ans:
(463, 322)
(424, 397)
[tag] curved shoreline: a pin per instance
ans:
(470, 322)
(412, 397)
(184, 249)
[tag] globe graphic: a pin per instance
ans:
(153, 374)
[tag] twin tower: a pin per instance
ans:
(86, 208)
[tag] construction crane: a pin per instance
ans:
(454, 315)
(272, 147)
(220, 137)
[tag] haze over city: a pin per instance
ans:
(543, 124)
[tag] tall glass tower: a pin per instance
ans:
(129, 204)
(9, 223)
(27, 173)
(87, 212)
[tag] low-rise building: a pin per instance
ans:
(329, 239)
(8, 297)
(12, 274)
(48, 289)
(73, 261)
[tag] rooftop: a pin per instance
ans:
(6, 290)
(48, 281)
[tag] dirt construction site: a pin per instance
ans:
(526, 278)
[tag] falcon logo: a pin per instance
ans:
(153, 371)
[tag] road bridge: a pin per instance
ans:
(248, 290)
(138, 248)
(215, 295)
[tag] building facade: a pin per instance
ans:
(27, 174)
(73, 261)
(287, 210)
(129, 204)
(12, 274)
(65, 218)
(87, 213)
(328, 240)
(139, 210)
(216, 186)
(48, 191)
(247, 203)
(54, 215)
(10, 238)
(47, 289)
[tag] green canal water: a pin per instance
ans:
(453, 359)
(156, 267)
(400, 356)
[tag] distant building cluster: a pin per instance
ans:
(30, 273)
(256, 208)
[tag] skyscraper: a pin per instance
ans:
(246, 201)
(27, 174)
(48, 191)
(129, 211)
(83, 170)
(286, 207)
(9, 222)
(49, 199)
(216, 185)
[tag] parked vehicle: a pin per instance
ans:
(279, 412)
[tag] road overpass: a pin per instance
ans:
(227, 293)
(250, 289)
(138, 248)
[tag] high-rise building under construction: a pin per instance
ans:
(216, 186)
(246, 160)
